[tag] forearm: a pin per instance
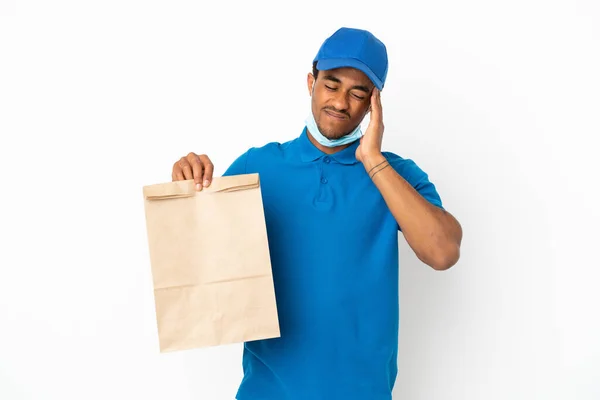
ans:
(432, 233)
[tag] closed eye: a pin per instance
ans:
(330, 88)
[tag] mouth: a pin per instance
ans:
(335, 115)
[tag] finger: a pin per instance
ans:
(373, 102)
(208, 170)
(376, 111)
(174, 171)
(186, 168)
(197, 167)
(177, 174)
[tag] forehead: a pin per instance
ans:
(351, 76)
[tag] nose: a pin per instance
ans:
(340, 101)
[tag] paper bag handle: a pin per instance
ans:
(182, 189)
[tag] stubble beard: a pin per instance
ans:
(332, 135)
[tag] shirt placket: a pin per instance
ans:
(324, 189)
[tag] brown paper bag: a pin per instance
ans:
(210, 263)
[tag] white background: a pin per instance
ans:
(497, 101)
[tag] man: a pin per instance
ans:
(334, 203)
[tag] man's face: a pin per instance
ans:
(340, 100)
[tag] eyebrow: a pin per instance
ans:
(336, 80)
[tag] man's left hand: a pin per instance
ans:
(370, 143)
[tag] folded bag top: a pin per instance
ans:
(186, 188)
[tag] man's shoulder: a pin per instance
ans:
(407, 167)
(416, 176)
(256, 157)
(273, 147)
(270, 150)
(398, 161)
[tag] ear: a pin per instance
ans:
(310, 81)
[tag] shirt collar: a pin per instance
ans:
(309, 152)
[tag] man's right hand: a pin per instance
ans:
(196, 167)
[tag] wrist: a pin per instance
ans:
(373, 160)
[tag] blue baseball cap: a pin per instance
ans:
(355, 48)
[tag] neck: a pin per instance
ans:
(325, 149)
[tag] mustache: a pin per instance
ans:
(337, 111)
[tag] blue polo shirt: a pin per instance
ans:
(334, 253)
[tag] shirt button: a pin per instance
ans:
(326, 159)
(323, 180)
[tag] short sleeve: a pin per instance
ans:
(417, 178)
(239, 166)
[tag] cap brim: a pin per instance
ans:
(333, 63)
